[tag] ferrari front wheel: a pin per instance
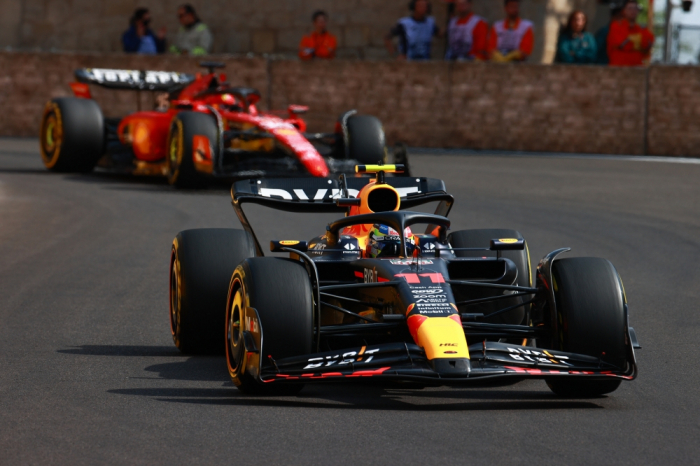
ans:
(187, 131)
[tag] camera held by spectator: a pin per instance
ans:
(139, 38)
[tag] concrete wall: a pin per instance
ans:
(480, 106)
(242, 26)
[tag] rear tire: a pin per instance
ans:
(591, 316)
(72, 135)
(201, 264)
(280, 290)
(182, 171)
(482, 239)
(366, 142)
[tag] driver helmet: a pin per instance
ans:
(384, 241)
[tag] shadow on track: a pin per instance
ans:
(199, 368)
(370, 397)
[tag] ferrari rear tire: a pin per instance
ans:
(201, 264)
(182, 169)
(481, 239)
(281, 293)
(366, 142)
(72, 134)
(591, 319)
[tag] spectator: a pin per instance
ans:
(575, 44)
(511, 39)
(601, 37)
(139, 38)
(628, 43)
(320, 43)
(194, 37)
(467, 34)
(415, 33)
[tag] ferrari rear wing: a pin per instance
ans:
(318, 195)
(163, 81)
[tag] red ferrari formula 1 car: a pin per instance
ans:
(371, 300)
(202, 126)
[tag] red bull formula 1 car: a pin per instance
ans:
(202, 126)
(371, 300)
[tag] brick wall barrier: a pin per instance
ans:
(482, 106)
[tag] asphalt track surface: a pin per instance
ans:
(89, 374)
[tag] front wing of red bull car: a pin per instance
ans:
(448, 308)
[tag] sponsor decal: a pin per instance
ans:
(251, 324)
(318, 248)
(351, 357)
(370, 275)
(429, 247)
(350, 247)
(288, 243)
(320, 194)
(415, 278)
(448, 344)
(524, 355)
(410, 262)
(135, 76)
(508, 240)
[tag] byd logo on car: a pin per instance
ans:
(350, 357)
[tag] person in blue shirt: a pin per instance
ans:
(139, 38)
(415, 33)
(576, 46)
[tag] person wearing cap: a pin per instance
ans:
(320, 43)
(629, 44)
(467, 34)
(601, 37)
(511, 39)
(194, 37)
(415, 33)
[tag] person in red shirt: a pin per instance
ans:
(628, 43)
(511, 39)
(320, 43)
(467, 34)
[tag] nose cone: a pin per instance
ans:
(457, 367)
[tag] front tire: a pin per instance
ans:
(591, 318)
(201, 264)
(280, 290)
(182, 169)
(72, 135)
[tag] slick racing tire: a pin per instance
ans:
(72, 135)
(482, 239)
(591, 317)
(365, 139)
(182, 169)
(281, 293)
(201, 264)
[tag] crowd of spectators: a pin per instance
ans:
(193, 37)
(469, 37)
